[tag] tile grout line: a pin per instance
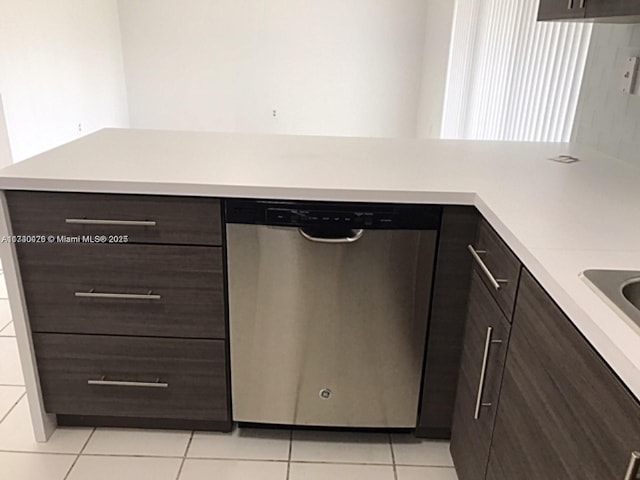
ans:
(127, 455)
(186, 452)
(79, 453)
(8, 335)
(393, 459)
(236, 459)
(289, 457)
(14, 405)
(227, 459)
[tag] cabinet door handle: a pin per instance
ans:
(583, 3)
(570, 5)
(634, 467)
(95, 221)
(120, 383)
(121, 296)
(483, 372)
(476, 256)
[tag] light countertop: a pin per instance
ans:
(559, 219)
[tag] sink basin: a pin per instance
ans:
(631, 291)
(620, 287)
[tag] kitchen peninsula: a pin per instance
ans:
(557, 219)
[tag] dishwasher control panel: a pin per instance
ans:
(326, 217)
(334, 214)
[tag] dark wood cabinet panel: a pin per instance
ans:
(617, 11)
(502, 264)
(148, 308)
(446, 321)
(562, 412)
(178, 220)
(561, 9)
(612, 8)
(188, 280)
(194, 371)
(485, 343)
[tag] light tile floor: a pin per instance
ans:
(256, 454)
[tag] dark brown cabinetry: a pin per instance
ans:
(148, 290)
(142, 218)
(561, 9)
(498, 267)
(562, 412)
(622, 11)
(446, 321)
(129, 330)
(613, 8)
(464, 236)
(145, 377)
(485, 346)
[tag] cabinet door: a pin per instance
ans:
(483, 354)
(612, 8)
(561, 9)
(563, 414)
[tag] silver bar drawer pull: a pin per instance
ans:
(483, 373)
(476, 256)
(128, 223)
(119, 383)
(570, 5)
(119, 296)
(634, 467)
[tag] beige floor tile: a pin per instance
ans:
(10, 368)
(8, 398)
(409, 450)
(426, 473)
(195, 469)
(243, 444)
(325, 471)
(323, 446)
(3, 287)
(124, 468)
(115, 441)
(34, 466)
(16, 434)
(8, 331)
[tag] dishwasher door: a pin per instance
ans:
(328, 334)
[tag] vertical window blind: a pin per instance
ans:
(510, 77)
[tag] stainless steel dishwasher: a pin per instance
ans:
(328, 308)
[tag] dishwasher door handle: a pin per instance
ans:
(357, 235)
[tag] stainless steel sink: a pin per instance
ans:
(631, 291)
(620, 287)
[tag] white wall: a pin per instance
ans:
(608, 119)
(439, 24)
(329, 67)
(5, 149)
(60, 66)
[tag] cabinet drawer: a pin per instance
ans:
(133, 377)
(150, 290)
(498, 267)
(143, 218)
